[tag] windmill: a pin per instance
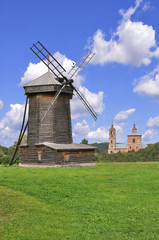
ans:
(49, 124)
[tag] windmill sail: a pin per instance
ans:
(81, 64)
(86, 104)
(52, 63)
(46, 57)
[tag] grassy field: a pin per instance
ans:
(111, 201)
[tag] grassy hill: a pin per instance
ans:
(101, 146)
(114, 201)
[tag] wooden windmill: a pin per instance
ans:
(49, 140)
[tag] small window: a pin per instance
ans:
(111, 141)
(136, 147)
(134, 140)
(130, 147)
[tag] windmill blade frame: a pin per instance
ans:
(81, 64)
(78, 61)
(78, 68)
(86, 103)
(21, 134)
(45, 56)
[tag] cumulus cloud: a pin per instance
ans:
(95, 99)
(132, 42)
(99, 135)
(148, 135)
(81, 128)
(127, 13)
(10, 124)
(153, 122)
(120, 120)
(119, 132)
(77, 108)
(122, 117)
(148, 84)
(1, 104)
(34, 70)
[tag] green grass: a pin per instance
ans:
(111, 201)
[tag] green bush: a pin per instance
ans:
(5, 159)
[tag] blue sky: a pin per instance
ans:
(121, 82)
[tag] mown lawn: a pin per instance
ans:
(111, 201)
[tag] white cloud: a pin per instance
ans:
(146, 6)
(100, 135)
(119, 132)
(127, 13)
(1, 104)
(34, 70)
(153, 122)
(148, 135)
(130, 44)
(119, 129)
(95, 100)
(73, 135)
(149, 84)
(10, 124)
(152, 125)
(81, 128)
(122, 117)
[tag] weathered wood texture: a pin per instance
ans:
(45, 155)
(56, 126)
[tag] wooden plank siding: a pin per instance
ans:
(46, 155)
(56, 126)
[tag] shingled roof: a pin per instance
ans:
(46, 79)
(48, 82)
(67, 147)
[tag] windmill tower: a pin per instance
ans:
(49, 139)
(55, 127)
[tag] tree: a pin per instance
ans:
(84, 141)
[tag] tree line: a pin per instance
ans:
(6, 153)
(148, 154)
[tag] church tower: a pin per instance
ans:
(134, 140)
(112, 139)
(134, 129)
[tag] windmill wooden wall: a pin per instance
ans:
(56, 126)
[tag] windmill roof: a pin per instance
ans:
(46, 79)
(46, 83)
